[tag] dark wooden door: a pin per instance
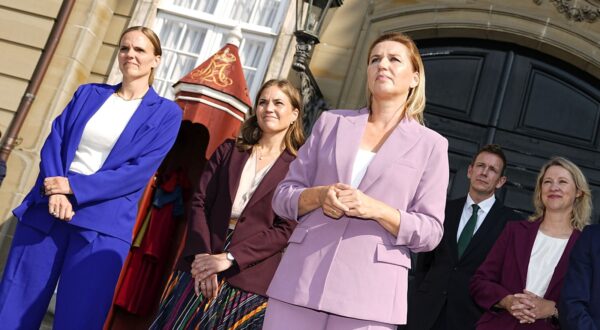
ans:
(533, 105)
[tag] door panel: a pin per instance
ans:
(551, 103)
(465, 82)
(535, 106)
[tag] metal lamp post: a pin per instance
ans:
(310, 15)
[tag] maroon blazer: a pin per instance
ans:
(260, 236)
(504, 272)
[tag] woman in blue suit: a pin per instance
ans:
(75, 225)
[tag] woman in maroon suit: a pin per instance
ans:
(235, 240)
(519, 282)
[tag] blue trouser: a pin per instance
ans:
(87, 263)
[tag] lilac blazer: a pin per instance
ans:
(354, 267)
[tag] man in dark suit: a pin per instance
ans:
(580, 296)
(439, 295)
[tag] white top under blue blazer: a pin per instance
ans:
(105, 201)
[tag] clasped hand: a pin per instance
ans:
(59, 206)
(205, 268)
(341, 199)
(528, 307)
(57, 185)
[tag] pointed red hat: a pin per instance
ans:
(215, 94)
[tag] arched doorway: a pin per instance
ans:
(535, 106)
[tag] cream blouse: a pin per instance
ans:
(545, 255)
(249, 181)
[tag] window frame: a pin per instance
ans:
(217, 29)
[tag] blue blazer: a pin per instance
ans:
(580, 296)
(105, 201)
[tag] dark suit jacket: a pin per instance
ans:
(504, 272)
(441, 282)
(260, 236)
(580, 296)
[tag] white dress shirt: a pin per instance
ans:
(484, 208)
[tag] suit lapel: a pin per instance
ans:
(236, 166)
(91, 105)
(140, 116)
(490, 221)
(271, 179)
(524, 242)
(451, 223)
(349, 133)
(400, 141)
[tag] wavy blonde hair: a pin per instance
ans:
(415, 103)
(582, 208)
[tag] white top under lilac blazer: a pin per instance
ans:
(354, 267)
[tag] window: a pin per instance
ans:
(192, 30)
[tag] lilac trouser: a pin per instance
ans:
(281, 315)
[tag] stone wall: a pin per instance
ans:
(85, 53)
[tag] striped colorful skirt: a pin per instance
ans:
(181, 308)
(232, 308)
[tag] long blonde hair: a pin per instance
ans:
(415, 103)
(582, 208)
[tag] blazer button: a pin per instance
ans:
(445, 292)
(455, 268)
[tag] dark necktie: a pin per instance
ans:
(467, 233)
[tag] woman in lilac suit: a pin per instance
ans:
(519, 282)
(367, 188)
(75, 225)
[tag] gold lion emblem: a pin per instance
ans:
(218, 69)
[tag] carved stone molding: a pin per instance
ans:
(585, 10)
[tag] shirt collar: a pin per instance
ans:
(484, 205)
